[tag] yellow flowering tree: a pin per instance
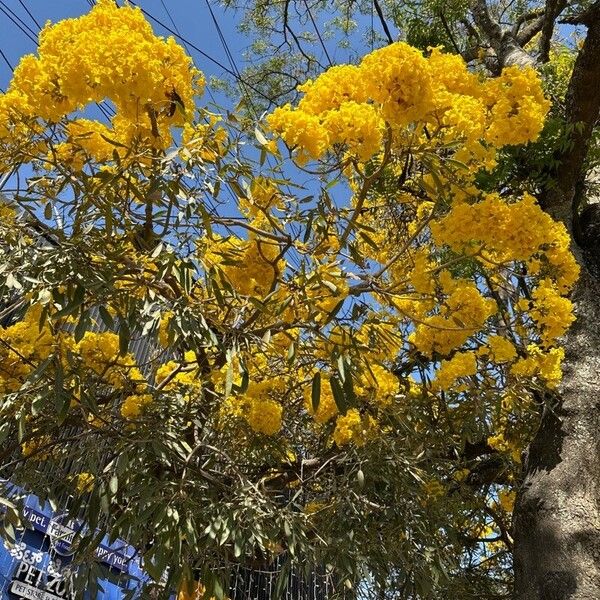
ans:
(224, 364)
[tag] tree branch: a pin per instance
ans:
(582, 112)
(383, 21)
(553, 9)
(504, 44)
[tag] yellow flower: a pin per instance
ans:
(133, 406)
(84, 482)
(462, 364)
(351, 427)
(506, 499)
(501, 349)
(264, 416)
(263, 412)
(110, 52)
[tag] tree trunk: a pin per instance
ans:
(557, 517)
(557, 514)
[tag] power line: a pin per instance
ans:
(318, 33)
(105, 110)
(224, 42)
(6, 60)
(27, 11)
(23, 30)
(242, 83)
(198, 50)
(184, 44)
(16, 16)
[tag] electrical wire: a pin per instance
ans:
(27, 11)
(6, 60)
(19, 26)
(104, 109)
(242, 82)
(17, 18)
(197, 49)
(184, 44)
(318, 33)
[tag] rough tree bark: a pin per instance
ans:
(557, 514)
(504, 42)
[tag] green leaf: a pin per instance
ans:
(213, 586)
(341, 369)
(308, 227)
(338, 395)
(73, 305)
(245, 381)
(124, 337)
(205, 220)
(369, 240)
(282, 581)
(82, 326)
(316, 391)
(348, 385)
(229, 377)
(291, 354)
(4, 431)
(113, 142)
(262, 140)
(360, 478)
(106, 317)
(22, 430)
(336, 309)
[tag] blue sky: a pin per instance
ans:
(192, 18)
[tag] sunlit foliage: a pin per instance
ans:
(221, 362)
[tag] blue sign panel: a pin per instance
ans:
(37, 566)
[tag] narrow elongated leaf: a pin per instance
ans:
(338, 395)
(316, 391)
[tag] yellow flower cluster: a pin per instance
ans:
(84, 482)
(433, 489)
(262, 411)
(24, 346)
(32, 448)
(552, 312)
(506, 444)
(300, 130)
(133, 405)
(348, 106)
(85, 139)
(377, 383)
(506, 500)
(263, 195)
(518, 106)
(110, 52)
(100, 353)
(542, 364)
(185, 376)
(264, 416)
(332, 89)
(351, 427)
(507, 231)
(326, 286)
(502, 350)
(462, 364)
(357, 126)
(397, 77)
(327, 408)
(463, 313)
(250, 266)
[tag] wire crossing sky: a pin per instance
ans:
(209, 35)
